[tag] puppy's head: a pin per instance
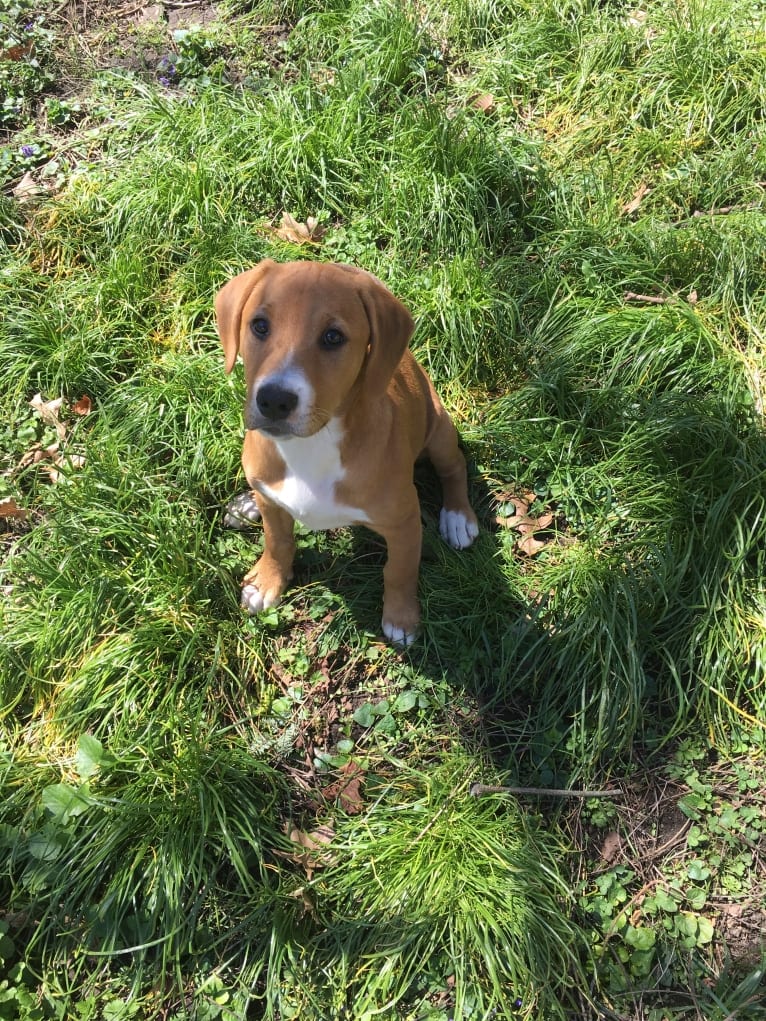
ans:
(313, 337)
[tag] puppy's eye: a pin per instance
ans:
(260, 327)
(332, 338)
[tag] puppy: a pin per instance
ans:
(337, 411)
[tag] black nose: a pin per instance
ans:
(274, 402)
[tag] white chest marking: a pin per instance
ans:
(312, 470)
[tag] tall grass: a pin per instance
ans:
(636, 420)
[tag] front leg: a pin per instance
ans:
(401, 609)
(264, 584)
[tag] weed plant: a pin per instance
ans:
(568, 197)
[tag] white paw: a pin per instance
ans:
(456, 529)
(253, 600)
(398, 636)
(242, 511)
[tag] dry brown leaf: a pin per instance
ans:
(306, 898)
(314, 840)
(636, 18)
(151, 15)
(635, 202)
(308, 233)
(521, 504)
(17, 52)
(530, 546)
(49, 412)
(347, 790)
(67, 461)
(52, 460)
(484, 103)
(27, 188)
(522, 521)
(310, 842)
(36, 454)
(526, 524)
(82, 407)
(611, 846)
(10, 509)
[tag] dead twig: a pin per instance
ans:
(476, 790)
(747, 207)
(659, 299)
(649, 299)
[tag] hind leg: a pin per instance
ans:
(458, 524)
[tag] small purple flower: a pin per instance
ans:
(27, 150)
(164, 81)
(166, 66)
(518, 1003)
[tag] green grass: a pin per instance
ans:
(157, 749)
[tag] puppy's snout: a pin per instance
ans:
(276, 402)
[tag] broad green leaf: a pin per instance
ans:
(91, 756)
(45, 845)
(706, 930)
(698, 871)
(640, 937)
(405, 701)
(64, 801)
(692, 805)
(696, 897)
(664, 901)
(364, 715)
(386, 724)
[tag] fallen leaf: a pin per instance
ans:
(635, 202)
(36, 453)
(521, 504)
(66, 461)
(18, 51)
(347, 791)
(530, 546)
(10, 509)
(310, 842)
(314, 840)
(484, 103)
(306, 898)
(636, 18)
(49, 413)
(27, 188)
(526, 524)
(308, 233)
(83, 406)
(611, 846)
(151, 15)
(52, 460)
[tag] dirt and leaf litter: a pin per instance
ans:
(44, 440)
(538, 525)
(50, 434)
(298, 232)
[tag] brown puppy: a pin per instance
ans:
(337, 411)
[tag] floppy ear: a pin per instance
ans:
(229, 302)
(391, 327)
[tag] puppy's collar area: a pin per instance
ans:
(313, 467)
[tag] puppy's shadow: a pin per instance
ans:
(463, 593)
(472, 618)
